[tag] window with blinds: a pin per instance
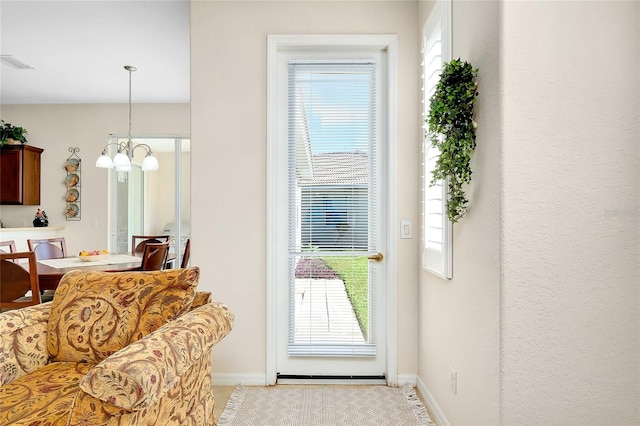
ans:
(436, 228)
(331, 164)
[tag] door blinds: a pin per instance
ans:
(331, 155)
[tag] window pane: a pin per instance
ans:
(331, 130)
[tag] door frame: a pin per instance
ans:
(389, 43)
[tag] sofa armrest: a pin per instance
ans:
(202, 298)
(23, 341)
(137, 376)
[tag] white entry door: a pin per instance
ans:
(330, 214)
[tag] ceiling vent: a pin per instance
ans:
(16, 63)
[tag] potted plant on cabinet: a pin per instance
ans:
(10, 134)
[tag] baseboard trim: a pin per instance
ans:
(349, 382)
(293, 379)
(407, 379)
(432, 405)
(230, 379)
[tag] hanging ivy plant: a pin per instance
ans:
(452, 132)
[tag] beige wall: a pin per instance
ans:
(541, 320)
(58, 127)
(570, 212)
(459, 319)
(228, 81)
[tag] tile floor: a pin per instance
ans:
(221, 395)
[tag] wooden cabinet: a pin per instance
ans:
(20, 175)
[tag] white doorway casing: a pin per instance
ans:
(388, 44)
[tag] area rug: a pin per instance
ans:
(324, 406)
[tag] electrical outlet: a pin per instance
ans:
(453, 375)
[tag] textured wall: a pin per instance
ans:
(556, 298)
(571, 213)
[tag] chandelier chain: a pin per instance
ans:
(130, 69)
(129, 105)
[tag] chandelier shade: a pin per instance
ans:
(150, 162)
(104, 161)
(122, 160)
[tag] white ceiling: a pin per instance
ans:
(79, 49)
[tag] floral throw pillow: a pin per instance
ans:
(95, 314)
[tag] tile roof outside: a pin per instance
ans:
(339, 168)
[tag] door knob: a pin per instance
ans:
(377, 257)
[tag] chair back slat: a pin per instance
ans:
(186, 255)
(16, 281)
(139, 241)
(48, 248)
(8, 246)
(155, 256)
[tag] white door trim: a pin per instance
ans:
(276, 43)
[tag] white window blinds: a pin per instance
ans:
(331, 165)
(331, 135)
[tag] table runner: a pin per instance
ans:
(74, 262)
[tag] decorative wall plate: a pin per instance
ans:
(72, 195)
(72, 210)
(72, 165)
(72, 180)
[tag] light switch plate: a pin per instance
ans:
(405, 229)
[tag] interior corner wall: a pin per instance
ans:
(571, 213)
(229, 157)
(459, 319)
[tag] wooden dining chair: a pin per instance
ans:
(7, 246)
(16, 281)
(138, 241)
(48, 248)
(187, 253)
(154, 256)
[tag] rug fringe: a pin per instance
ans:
(419, 410)
(233, 406)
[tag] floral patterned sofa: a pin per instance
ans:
(130, 348)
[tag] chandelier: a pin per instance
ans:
(122, 160)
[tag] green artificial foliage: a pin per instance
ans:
(7, 131)
(453, 132)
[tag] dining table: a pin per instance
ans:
(51, 271)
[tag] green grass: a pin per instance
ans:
(354, 272)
